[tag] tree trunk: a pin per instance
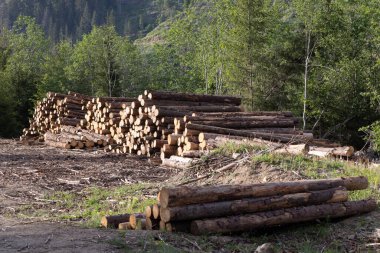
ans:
(227, 208)
(193, 97)
(227, 131)
(114, 220)
(256, 221)
(170, 197)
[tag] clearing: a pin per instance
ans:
(51, 200)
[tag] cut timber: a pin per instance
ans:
(177, 162)
(193, 97)
(136, 219)
(148, 211)
(227, 131)
(186, 195)
(152, 224)
(300, 149)
(244, 114)
(114, 220)
(227, 208)
(181, 226)
(347, 151)
(256, 221)
(194, 153)
(125, 226)
(247, 124)
(156, 211)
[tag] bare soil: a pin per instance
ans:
(29, 173)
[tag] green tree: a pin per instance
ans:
(28, 48)
(101, 63)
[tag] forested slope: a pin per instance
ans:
(73, 18)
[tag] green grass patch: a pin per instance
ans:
(323, 168)
(232, 147)
(91, 204)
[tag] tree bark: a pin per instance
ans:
(256, 221)
(114, 220)
(226, 131)
(170, 197)
(252, 205)
(193, 97)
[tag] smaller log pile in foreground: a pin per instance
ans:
(240, 208)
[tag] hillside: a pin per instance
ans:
(72, 18)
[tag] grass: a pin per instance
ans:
(232, 147)
(318, 168)
(89, 205)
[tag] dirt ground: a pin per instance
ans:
(29, 173)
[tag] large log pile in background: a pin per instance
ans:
(166, 124)
(241, 208)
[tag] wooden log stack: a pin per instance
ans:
(182, 124)
(245, 208)
(59, 118)
(164, 124)
(240, 208)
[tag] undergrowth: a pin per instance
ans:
(89, 205)
(232, 147)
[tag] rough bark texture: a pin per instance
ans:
(186, 195)
(227, 208)
(256, 221)
(114, 221)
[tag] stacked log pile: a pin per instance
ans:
(54, 111)
(58, 117)
(181, 124)
(239, 208)
(165, 124)
(242, 208)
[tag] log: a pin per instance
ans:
(156, 211)
(347, 151)
(194, 153)
(243, 114)
(300, 149)
(181, 226)
(56, 144)
(227, 131)
(125, 226)
(114, 220)
(193, 97)
(247, 124)
(250, 222)
(177, 162)
(208, 108)
(252, 205)
(152, 224)
(170, 197)
(148, 211)
(135, 218)
(173, 138)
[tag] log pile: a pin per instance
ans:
(243, 208)
(166, 124)
(58, 117)
(181, 124)
(239, 208)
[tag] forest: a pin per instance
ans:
(319, 59)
